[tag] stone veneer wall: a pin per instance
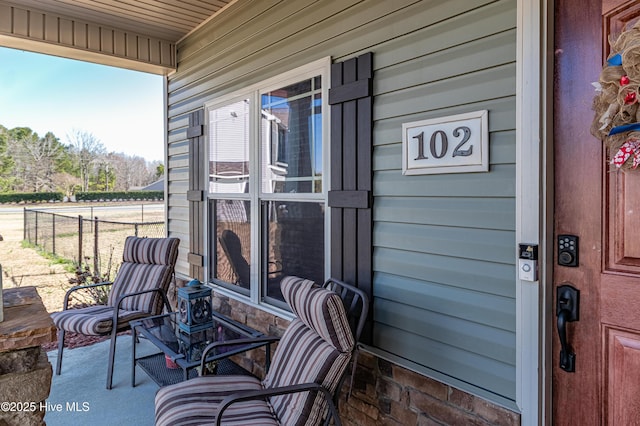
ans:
(25, 380)
(25, 371)
(383, 393)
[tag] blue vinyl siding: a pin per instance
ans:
(443, 245)
(444, 282)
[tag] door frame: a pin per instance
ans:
(534, 206)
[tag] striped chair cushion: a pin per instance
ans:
(194, 402)
(134, 277)
(153, 251)
(93, 320)
(315, 348)
(304, 357)
(148, 264)
(320, 309)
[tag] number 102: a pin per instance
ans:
(439, 143)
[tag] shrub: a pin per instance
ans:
(84, 276)
(31, 197)
(120, 195)
(44, 197)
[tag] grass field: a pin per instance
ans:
(25, 266)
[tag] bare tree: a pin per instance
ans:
(141, 175)
(130, 171)
(87, 148)
(120, 168)
(66, 183)
(35, 158)
(46, 153)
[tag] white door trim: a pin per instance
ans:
(534, 197)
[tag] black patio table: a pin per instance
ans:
(165, 333)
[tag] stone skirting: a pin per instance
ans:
(25, 370)
(385, 393)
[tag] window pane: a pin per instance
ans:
(294, 243)
(229, 148)
(291, 132)
(231, 242)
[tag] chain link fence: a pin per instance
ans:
(84, 240)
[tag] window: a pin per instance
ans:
(267, 191)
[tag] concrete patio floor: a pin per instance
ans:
(79, 396)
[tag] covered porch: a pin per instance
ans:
(78, 395)
(455, 337)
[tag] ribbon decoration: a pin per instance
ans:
(615, 60)
(625, 128)
(629, 148)
(605, 119)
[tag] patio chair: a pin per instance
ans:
(232, 247)
(139, 290)
(302, 384)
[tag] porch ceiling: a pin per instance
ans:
(33, 25)
(169, 20)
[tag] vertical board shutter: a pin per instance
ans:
(195, 195)
(350, 198)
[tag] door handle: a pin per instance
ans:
(567, 304)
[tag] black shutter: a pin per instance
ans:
(195, 195)
(350, 197)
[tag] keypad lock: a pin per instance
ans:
(568, 250)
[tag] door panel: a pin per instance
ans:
(602, 207)
(622, 358)
(620, 302)
(623, 245)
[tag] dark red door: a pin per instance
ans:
(602, 208)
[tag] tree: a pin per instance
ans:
(35, 159)
(46, 153)
(103, 175)
(7, 179)
(66, 183)
(87, 148)
(130, 171)
(31, 163)
(159, 171)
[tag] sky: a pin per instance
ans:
(123, 109)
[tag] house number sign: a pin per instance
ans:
(453, 144)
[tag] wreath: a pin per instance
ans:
(616, 104)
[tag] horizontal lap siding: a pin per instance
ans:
(486, 245)
(444, 281)
(444, 274)
(472, 275)
(454, 364)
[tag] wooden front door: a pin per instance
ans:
(602, 208)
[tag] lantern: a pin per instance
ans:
(194, 308)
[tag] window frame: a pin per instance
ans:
(253, 92)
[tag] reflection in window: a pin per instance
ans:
(229, 148)
(266, 196)
(232, 245)
(291, 126)
(294, 242)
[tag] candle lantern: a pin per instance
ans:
(194, 308)
(194, 319)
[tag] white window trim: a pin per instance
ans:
(252, 92)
